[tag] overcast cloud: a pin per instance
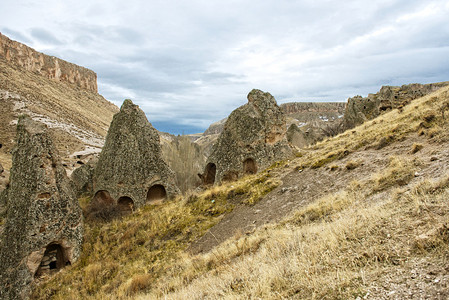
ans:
(190, 63)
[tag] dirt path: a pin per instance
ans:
(300, 188)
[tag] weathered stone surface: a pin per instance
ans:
(1, 169)
(253, 137)
(82, 178)
(359, 109)
(42, 212)
(306, 112)
(48, 66)
(130, 166)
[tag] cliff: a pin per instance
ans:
(45, 65)
(360, 109)
(311, 111)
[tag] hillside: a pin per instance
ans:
(77, 115)
(360, 215)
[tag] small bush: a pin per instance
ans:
(334, 167)
(384, 141)
(416, 148)
(399, 172)
(139, 283)
(351, 165)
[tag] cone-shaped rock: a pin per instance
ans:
(44, 229)
(254, 136)
(130, 170)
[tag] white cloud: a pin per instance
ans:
(193, 62)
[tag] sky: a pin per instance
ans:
(188, 64)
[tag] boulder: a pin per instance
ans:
(130, 171)
(254, 136)
(43, 214)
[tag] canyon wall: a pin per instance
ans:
(45, 65)
(360, 109)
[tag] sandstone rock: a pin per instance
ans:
(359, 109)
(254, 136)
(130, 168)
(48, 66)
(42, 212)
(82, 178)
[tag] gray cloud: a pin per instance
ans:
(15, 35)
(188, 64)
(45, 36)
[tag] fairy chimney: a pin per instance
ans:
(44, 228)
(130, 171)
(254, 136)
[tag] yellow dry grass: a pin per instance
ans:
(334, 248)
(126, 256)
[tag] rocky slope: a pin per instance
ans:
(363, 214)
(64, 98)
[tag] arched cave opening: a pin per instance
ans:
(249, 166)
(53, 260)
(125, 204)
(209, 173)
(156, 192)
(103, 198)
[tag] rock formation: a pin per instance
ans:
(359, 109)
(253, 137)
(48, 66)
(313, 111)
(44, 229)
(82, 178)
(130, 170)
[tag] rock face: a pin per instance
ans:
(48, 66)
(360, 109)
(253, 137)
(44, 228)
(313, 111)
(81, 178)
(130, 170)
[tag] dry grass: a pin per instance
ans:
(422, 115)
(326, 251)
(127, 255)
(330, 249)
(398, 173)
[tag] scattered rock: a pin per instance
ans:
(254, 136)
(43, 214)
(130, 170)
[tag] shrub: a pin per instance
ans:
(416, 148)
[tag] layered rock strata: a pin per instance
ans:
(48, 66)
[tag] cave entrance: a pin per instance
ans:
(53, 260)
(125, 204)
(103, 198)
(249, 166)
(156, 192)
(209, 173)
